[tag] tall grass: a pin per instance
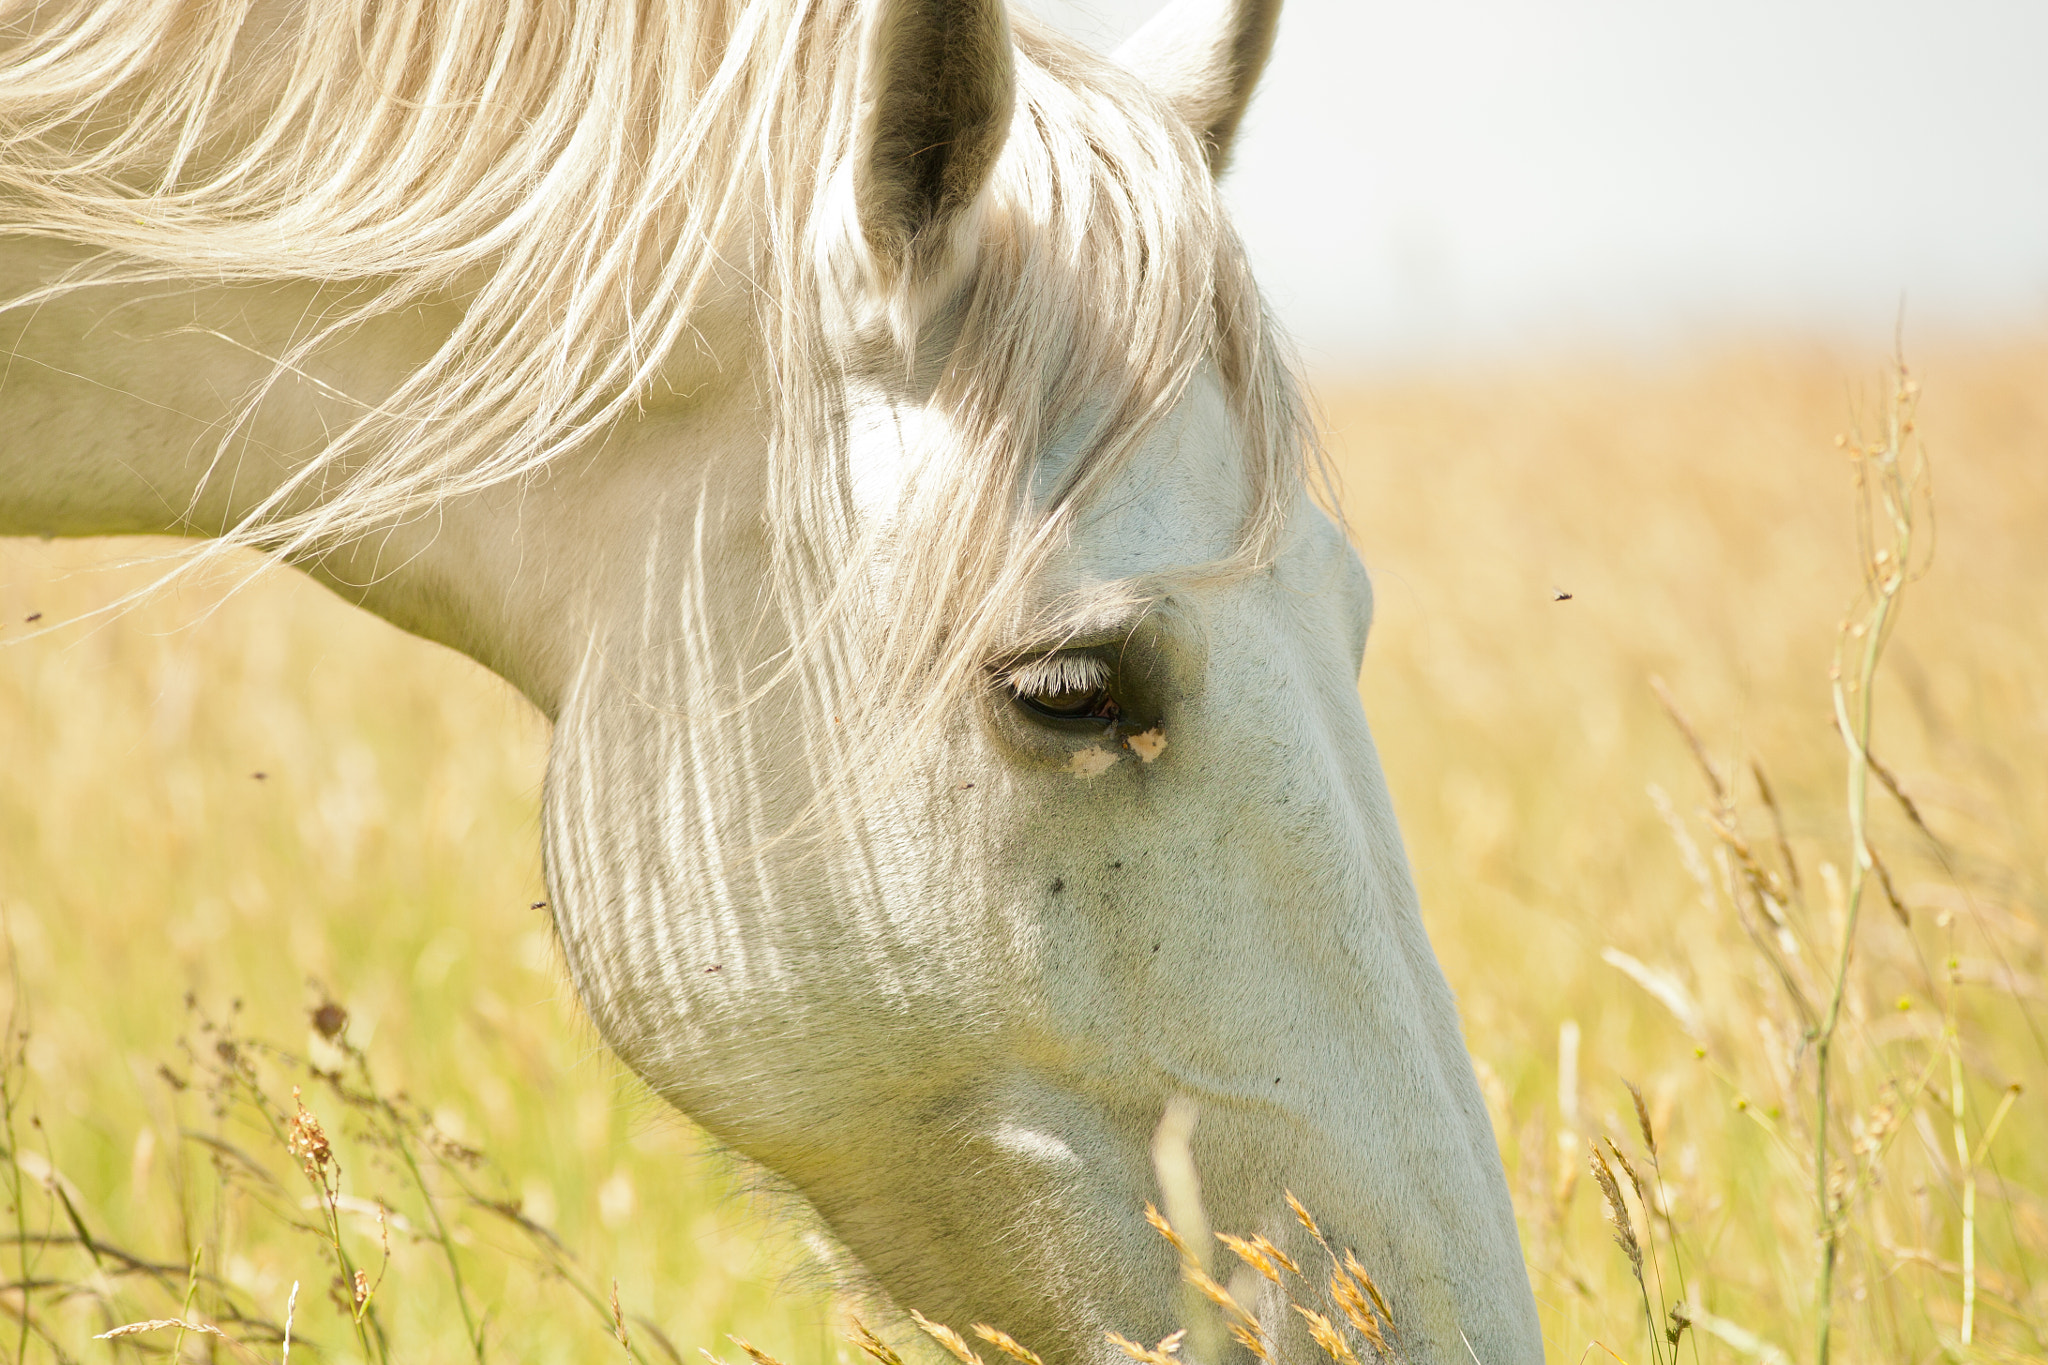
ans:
(1806, 919)
(1775, 917)
(386, 858)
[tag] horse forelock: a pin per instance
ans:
(1105, 278)
(582, 182)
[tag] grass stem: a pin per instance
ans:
(1888, 491)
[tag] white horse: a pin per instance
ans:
(854, 426)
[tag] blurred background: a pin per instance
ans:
(1598, 301)
(1421, 182)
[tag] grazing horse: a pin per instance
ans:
(853, 424)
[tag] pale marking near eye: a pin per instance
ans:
(1092, 761)
(1148, 745)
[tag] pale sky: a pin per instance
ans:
(1446, 178)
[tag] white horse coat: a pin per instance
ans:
(957, 753)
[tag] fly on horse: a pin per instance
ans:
(853, 424)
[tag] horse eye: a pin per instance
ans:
(1065, 686)
(1093, 703)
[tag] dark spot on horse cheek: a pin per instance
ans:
(1059, 884)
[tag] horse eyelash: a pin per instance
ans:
(1057, 673)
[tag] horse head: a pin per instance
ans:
(980, 776)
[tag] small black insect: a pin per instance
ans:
(538, 905)
(33, 617)
(259, 776)
(1560, 595)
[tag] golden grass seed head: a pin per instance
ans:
(1617, 1213)
(1208, 1288)
(1635, 1093)
(1328, 1337)
(1251, 1255)
(1351, 1300)
(1379, 1300)
(877, 1349)
(1127, 1346)
(1273, 1253)
(954, 1343)
(618, 1313)
(1007, 1344)
(1303, 1215)
(1621, 1160)
(1165, 1229)
(1248, 1337)
(1162, 1354)
(754, 1353)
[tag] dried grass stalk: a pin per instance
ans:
(1007, 1344)
(954, 1343)
(1328, 1337)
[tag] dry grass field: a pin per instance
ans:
(217, 816)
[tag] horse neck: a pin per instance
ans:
(126, 411)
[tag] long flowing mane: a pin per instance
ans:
(581, 185)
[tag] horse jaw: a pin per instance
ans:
(956, 1034)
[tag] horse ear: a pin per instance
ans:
(1204, 57)
(937, 86)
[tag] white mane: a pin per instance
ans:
(583, 183)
